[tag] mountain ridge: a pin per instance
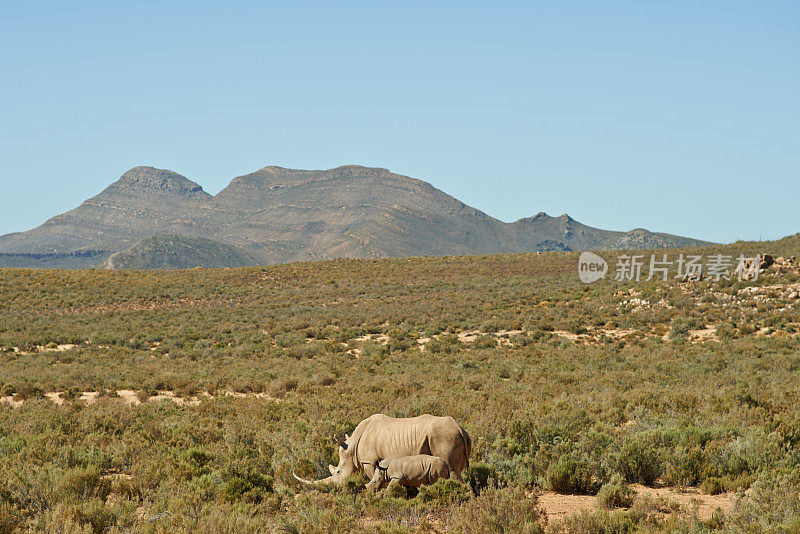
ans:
(275, 215)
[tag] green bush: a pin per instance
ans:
(249, 486)
(680, 327)
(95, 514)
(198, 456)
(354, 484)
(497, 510)
(480, 476)
(615, 494)
(571, 475)
(774, 500)
(396, 491)
(445, 492)
(599, 522)
(686, 467)
(444, 344)
(486, 341)
(640, 462)
(712, 486)
(80, 484)
(12, 519)
(195, 462)
(289, 339)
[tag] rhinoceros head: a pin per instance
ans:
(380, 477)
(347, 463)
(346, 467)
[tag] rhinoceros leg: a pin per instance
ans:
(369, 468)
(455, 458)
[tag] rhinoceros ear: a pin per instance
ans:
(332, 469)
(383, 465)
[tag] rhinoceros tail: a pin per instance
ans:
(467, 446)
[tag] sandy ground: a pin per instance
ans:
(131, 397)
(557, 506)
(40, 348)
(383, 339)
(11, 402)
(709, 333)
(55, 397)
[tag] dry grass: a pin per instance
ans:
(183, 401)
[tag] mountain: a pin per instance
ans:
(144, 201)
(351, 211)
(179, 252)
(153, 218)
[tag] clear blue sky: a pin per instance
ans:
(674, 116)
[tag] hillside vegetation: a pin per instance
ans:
(179, 252)
(168, 401)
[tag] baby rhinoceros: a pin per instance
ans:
(408, 471)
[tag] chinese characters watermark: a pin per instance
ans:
(686, 267)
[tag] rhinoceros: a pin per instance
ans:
(380, 437)
(408, 471)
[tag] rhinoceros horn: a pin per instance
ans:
(342, 442)
(313, 482)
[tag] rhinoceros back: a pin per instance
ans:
(418, 470)
(381, 437)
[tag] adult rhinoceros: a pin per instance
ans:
(379, 437)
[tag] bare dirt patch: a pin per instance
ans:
(691, 498)
(569, 335)
(89, 397)
(709, 333)
(41, 348)
(468, 336)
(383, 339)
(129, 396)
(55, 397)
(616, 333)
(9, 400)
(558, 506)
(356, 352)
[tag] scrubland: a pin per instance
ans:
(237, 377)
